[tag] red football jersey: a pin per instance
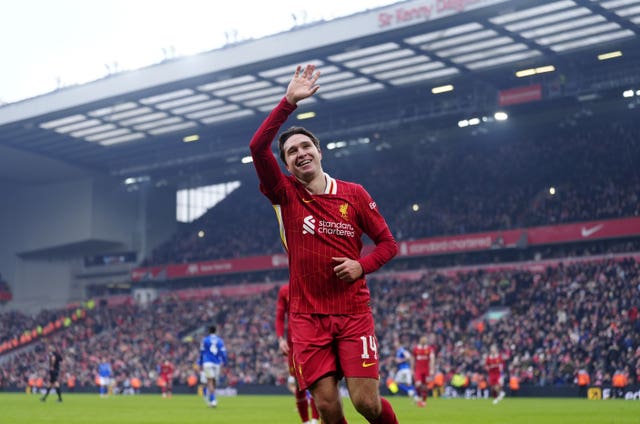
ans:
(422, 357)
(315, 228)
(166, 369)
(494, 364)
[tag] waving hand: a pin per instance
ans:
(303, 84)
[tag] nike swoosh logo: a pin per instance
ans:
(308, 200)
(586, 232)
(368, 364)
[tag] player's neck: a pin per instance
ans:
(317, 185)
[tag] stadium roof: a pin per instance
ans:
(372, 63)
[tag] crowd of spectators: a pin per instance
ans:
(241, 225)
(15, 323)
(580, 315)
(136, 339)
(499, 183)
(495, 181)
(583, 315)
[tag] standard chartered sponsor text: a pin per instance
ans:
(223, 266)
(343, 229)
(449, 245)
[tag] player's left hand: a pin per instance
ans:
(348, 270)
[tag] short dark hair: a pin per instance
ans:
(212, 329)
(295, 130)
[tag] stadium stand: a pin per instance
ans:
(497, 181)
(558, 322)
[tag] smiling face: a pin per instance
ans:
(302, 157)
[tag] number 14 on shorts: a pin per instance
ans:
(369, 349)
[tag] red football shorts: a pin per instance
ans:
(494, 380)
(343, 345)
(421, 376)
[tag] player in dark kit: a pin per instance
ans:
(54, 360)
(322, 222)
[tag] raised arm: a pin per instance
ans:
(302, 85)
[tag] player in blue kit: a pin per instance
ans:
(403, 374)
(213, 355)
(104, 377)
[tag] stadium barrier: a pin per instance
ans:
(631, 392)
(242, 389)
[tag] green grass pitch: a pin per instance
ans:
(19, 408)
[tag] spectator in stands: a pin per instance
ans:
(619, 381)
(583, 380)
(514, 383)
(71, 382)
